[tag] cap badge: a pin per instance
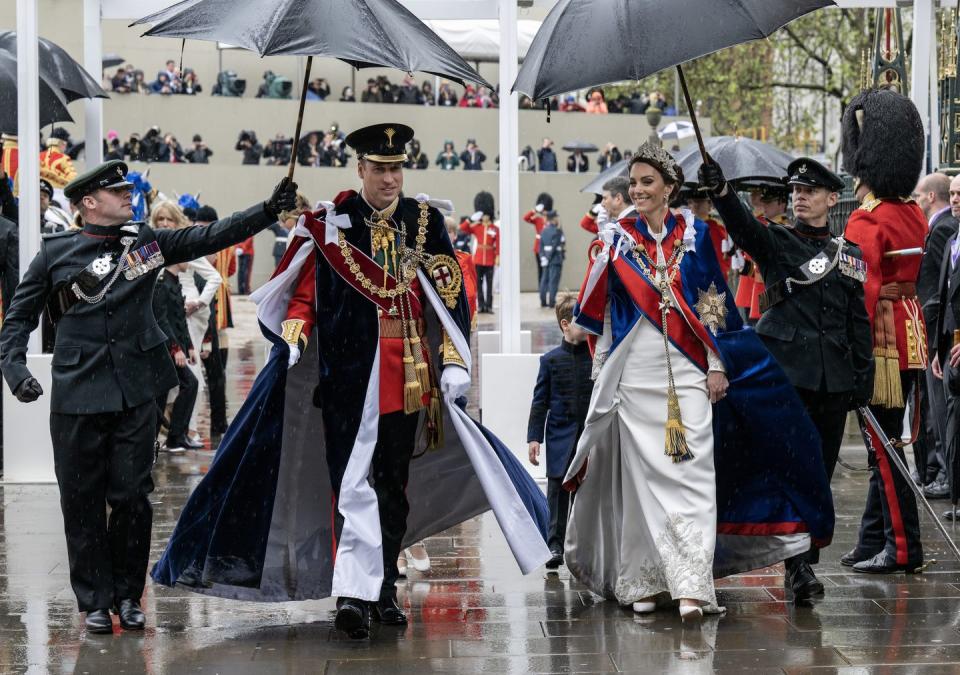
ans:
(802, 169)
(389, 131)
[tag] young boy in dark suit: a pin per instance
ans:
(559, 408)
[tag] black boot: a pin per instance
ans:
(800, 579)
(131, 616)
(388, 612)
(853, 556)
(353, 618)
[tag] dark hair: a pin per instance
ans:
(618, 185)
(676, 182)
(564, 308)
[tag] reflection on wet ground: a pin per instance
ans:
(473, 611)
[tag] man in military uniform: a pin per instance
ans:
(110, 364)
(883, 148)
(365, 292)
(814, 322)
(487, 254)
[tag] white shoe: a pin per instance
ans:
(417, 556)
(644, 607)
(402, 564)
(691, 613)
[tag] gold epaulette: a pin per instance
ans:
(870, 202)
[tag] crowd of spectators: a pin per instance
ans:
(129, 80)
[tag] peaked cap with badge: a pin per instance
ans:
(384, 143)
(809, 172)
(108, 176)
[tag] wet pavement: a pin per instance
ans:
(473, 612)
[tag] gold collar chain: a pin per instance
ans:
(405, 273)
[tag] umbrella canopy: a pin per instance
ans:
(582, 146)
(53, 106)
(364, 33)
(595, 186)
(110, 60)
(644, 38)
(742, 159)
(59, 68)
(677, 130)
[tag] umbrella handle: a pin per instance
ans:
(296, 135)
(693, 114)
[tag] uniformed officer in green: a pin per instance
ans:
(110, 363)
(813, 319)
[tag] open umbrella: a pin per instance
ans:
(564, 56)
(677, 130)
(595, 186)
(111, 59)
(53, 106)
(59, 68)
(582, 146)
(363, 33)
(741, 159)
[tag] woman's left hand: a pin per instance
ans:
(717, 385)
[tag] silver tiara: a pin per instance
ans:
(657, 156)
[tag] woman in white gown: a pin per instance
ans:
(644, 524)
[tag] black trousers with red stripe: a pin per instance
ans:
(890, 520)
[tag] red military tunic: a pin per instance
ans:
(488, 243)
(303, 304)
(539, 221)
(890, 292)
(469, 271)
(718, 234)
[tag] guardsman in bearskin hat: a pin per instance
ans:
(110, 364)
(883, 146)
(537, 216)
(487, 254)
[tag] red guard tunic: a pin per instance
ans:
(302, 306)
(890, 292)
(751, 285)
(469, 280)
(718, 234)
(488, 243)
(539, 221)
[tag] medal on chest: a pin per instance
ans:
(142, 260)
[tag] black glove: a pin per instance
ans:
(28, 391)
(710, 176)
(597, 199)
(284, 198)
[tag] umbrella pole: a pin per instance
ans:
(296, 136)
(693, 113)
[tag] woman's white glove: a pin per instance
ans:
(294, 356)
(454, 382)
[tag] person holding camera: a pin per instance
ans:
(277, 152)
(200, 154)
(110, 364)
(170, 151)
(252, 150)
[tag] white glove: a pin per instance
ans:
(539, 208)
(602, 216)
(294, 356)
(477, 217)
(454, 382)
(737, 261)
(543, 261)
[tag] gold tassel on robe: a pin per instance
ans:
(676, 447)
(412, 393)
(419, 362)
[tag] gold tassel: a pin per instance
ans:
(412, 394)
(420, 363)
(893, 379)
(434, 421)
(881, 387)
(677, 448)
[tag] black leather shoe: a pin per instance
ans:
(353, 618)
(884, 564)
(98, 621)
(131, 616)
(801, 580)
(555, 561)
(937, 490)
(852, 557)
(388, 612)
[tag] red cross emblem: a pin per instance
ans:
(442, 275)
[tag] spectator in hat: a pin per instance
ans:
(448, 159)
(473, 157)
(52, 217)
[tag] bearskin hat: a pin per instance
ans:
(484, 202)
(546, 199)
(883, 142)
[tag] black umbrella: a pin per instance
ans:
(595, 186)
(59, 68)
(582, 146)
(363, 33)
(564, 56)
(742, 159)
(110, 60)
(53, 106)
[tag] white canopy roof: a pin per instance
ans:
(480, 40)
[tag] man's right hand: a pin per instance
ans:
(534, 453)
(937, 370)
(28, 391)
(284, 197)
(179, 359)
(294, 357)
(710, 177)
